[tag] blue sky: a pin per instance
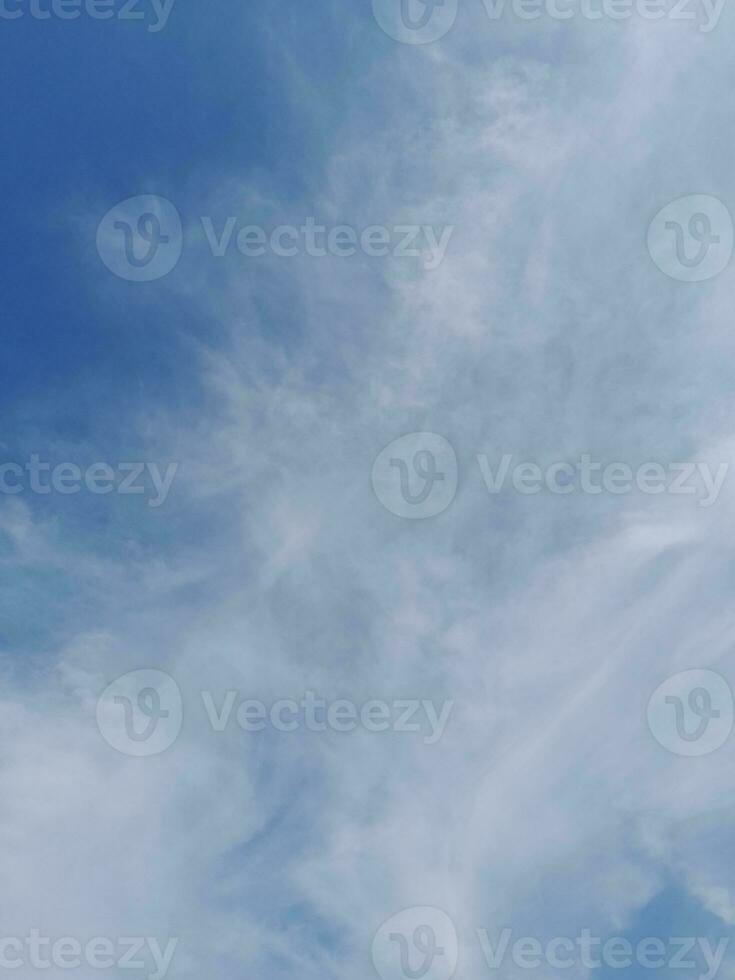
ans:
(273, 384)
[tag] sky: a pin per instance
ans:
(523, 255)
